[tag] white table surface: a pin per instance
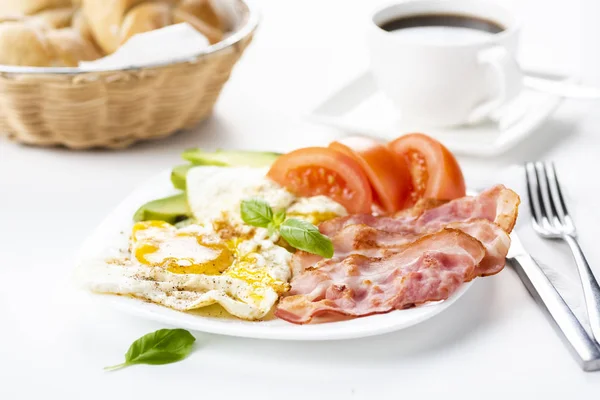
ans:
(494, 342)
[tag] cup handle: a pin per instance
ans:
(510, 77)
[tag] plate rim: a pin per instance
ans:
(160, 185)
(315, 332)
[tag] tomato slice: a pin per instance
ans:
(389, 176)
(435, 172)
(314, 171)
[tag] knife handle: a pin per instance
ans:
(581, 345)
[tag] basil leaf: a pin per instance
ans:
(305, 236)
(164, 346)
(256, 212)
(278, 218)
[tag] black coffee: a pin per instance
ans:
(442, 20)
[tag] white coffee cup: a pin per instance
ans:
(439, 83)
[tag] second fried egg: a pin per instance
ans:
(217, 258)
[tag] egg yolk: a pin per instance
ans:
(258, 278)
(159, 244)
(315, 218)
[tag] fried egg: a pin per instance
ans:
(216, 259)
(192, 267)
(215, 195)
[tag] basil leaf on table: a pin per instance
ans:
(305, 236)
(257, 212)
(164, 346)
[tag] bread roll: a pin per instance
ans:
(68, 47)
(28, 7)
(80, 24)
(203, 10)
(41, 33)
(113, 22)
(23, 44)
(213, 35)
(36, 42)
(144, 17)
(53, 19)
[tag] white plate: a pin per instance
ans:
(114, 229)
(360, 108)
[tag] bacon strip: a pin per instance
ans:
(371, 242)
(495, 240)
(498, 205)
(361, 231)
(429, 269)
(421, 254)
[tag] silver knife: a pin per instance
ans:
(583, 348)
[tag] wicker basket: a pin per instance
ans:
(113, 109)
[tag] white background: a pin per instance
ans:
(492, 343)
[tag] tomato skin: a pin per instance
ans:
(389, 177)
(313, 171)
(435, 172)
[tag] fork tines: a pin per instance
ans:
(550, 215)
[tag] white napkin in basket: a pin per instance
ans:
(175, 42)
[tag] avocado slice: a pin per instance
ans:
(184, 223)
(179, 174)
(169, 209)
(231, 158)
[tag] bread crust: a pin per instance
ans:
(113, 22)
(48, 38)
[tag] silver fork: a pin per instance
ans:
(551, 220)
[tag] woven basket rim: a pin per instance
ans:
(242, 33)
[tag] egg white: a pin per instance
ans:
(249, 287)
(258, 258)
(215, 195)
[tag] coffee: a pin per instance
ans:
(444, 63)
(442, 28)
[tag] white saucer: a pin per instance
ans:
(360, 108)
(111, 237)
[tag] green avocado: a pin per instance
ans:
(174, 209)
(171, 209)
(230, 158)
(179, 174)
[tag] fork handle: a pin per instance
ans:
(591, 289)
(583, 348)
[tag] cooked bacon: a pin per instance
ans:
(333, 226)
(393, 262)
(371, 242)
(495, 240)
(419, 208)
(390, 224)
(429, 269)
(498, 205)
(354, 231)
(302, 260)
(356, 239)
(362, 231)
